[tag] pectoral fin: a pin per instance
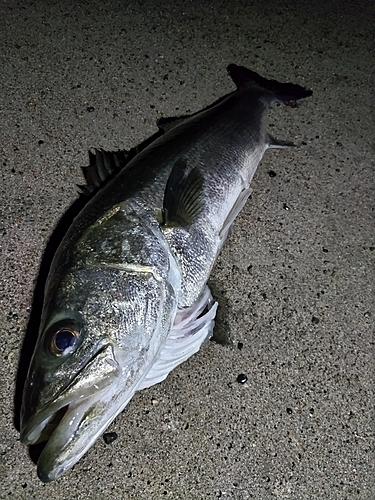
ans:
(192, 327)
(183, 197)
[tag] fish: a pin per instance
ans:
(126, 299)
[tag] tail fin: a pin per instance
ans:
(284, 92)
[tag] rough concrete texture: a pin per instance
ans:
(297, 272)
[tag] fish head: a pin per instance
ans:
(99, 330)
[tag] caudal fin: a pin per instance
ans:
(284, 92)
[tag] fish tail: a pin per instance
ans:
(284, 92)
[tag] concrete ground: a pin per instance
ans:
(296, 274)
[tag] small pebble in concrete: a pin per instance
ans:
(109, 437)
(242, 378)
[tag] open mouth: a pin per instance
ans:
(63, 429)
(84, 390)
(46, 428)
(42, 426)
(62, 422)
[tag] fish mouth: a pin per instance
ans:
(80, 407)
(67, 441)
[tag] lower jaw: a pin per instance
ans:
(51, 426)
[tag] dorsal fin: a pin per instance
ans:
(103, 166)
(167, 123)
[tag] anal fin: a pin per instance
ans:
(236, 209)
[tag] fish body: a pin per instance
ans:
(126, 298)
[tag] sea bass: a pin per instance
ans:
(126, 299)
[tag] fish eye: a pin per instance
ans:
(62, 337)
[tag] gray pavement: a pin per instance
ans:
(297, 272)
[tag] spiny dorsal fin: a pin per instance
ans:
(103, 166)
(183, 195)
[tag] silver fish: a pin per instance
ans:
(126, 299)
